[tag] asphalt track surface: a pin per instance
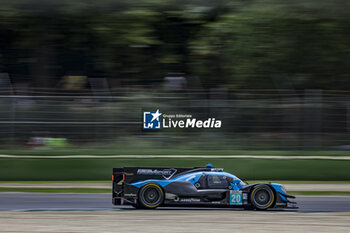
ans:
(102, 202)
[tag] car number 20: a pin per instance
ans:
(235, 198)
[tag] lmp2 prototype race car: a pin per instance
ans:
(151, 187)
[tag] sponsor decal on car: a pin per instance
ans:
(190, 200)
(166, 173)
(235, 197)
(130, 195)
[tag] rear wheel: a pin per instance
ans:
(151, 196)
(262, 197)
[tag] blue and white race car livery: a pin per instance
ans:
(151, 187)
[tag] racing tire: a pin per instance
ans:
(262, 197)
(150, 196)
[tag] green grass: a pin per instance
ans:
(56, 190)
(167, 151)
(101, 169)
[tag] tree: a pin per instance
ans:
(304, 40)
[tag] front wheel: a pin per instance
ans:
(151, 196)
(262, 197)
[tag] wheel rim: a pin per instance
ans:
(263, 198)
(151, 196)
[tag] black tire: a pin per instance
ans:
(262, 197)
(151, 196)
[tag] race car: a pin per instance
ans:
(151, 187)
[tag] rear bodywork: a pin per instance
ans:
(201, 186)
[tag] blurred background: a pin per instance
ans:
(78, 74)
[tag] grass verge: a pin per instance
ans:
(56, 190)
(101, 169)
(167, 151)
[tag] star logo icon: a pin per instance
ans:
(156, 115)
(151, 120)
